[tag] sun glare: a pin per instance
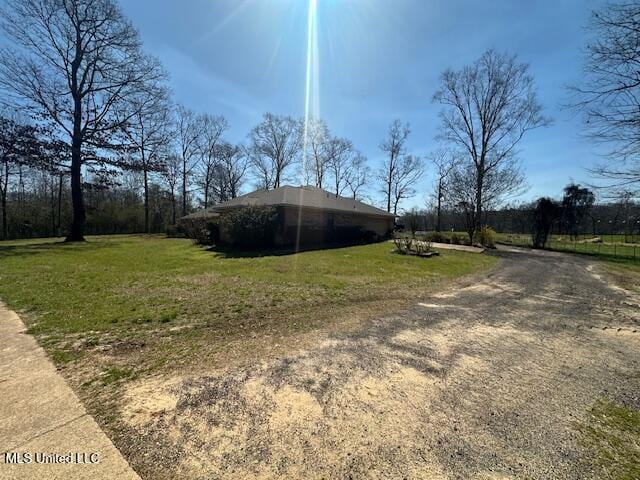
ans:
(312, 90)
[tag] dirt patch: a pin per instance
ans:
(144, 401)
(486, 381)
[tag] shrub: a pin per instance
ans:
(436, 237)
(414, 221)
(250, 227)
(351, 235)
(488, 237)
(176, 231)
(403, 244)
(409, 246)
(203, 230)
(422, 248)
(457, 239)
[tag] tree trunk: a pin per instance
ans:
(5, 226)
(3, 202)
(78, 219)
(389, 182)
(146, 200)
(184, 187)
(478, 213)
(53, 205)
(438, 223)
(59, 229)
(76, 230)
(173, 205)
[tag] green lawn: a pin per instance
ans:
(128, 305)
(621, 238)
(612, 432)
(563, 243)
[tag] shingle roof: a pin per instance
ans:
(310, 197)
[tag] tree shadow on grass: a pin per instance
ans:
(31, 249)
(230, 252)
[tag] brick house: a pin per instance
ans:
(310, 216)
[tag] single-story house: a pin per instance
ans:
(308, 216)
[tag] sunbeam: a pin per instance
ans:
(311, 97)
(312, 90)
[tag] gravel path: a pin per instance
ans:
(485, 380)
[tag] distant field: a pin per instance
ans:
(618, 238)
(562, 243)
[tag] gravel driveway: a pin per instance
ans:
(484, 380)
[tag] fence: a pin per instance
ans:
(610, 246)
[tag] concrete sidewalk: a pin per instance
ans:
(40, 414)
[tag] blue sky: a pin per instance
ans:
(378, 60)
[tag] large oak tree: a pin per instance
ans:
(487, 108)
(74, 61)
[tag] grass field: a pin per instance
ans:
(562, 243)
(611, 432)
(620, 238)
(130, 305)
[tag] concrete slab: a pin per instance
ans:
(40, 415)
(452, 246)
(461, 248)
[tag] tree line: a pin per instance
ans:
(77, 71)
(97, 128)
(574, 213)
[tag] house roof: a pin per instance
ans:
(308, 197)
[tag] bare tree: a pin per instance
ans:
(213, 127)
(316, 137)
(188, 130)
(339, 153)
(146, 125)
(487, 108)
(227, 172)
(358, 174)
(609, 92)
(8, 165)
(497, 183)
(172, 173)
(73, 61)
(233, 165)
(18, 142)
(443, 163)
(462, 188)
(394, 147)
(408, 172)
(275, 144)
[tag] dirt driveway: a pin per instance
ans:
(485, 380)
